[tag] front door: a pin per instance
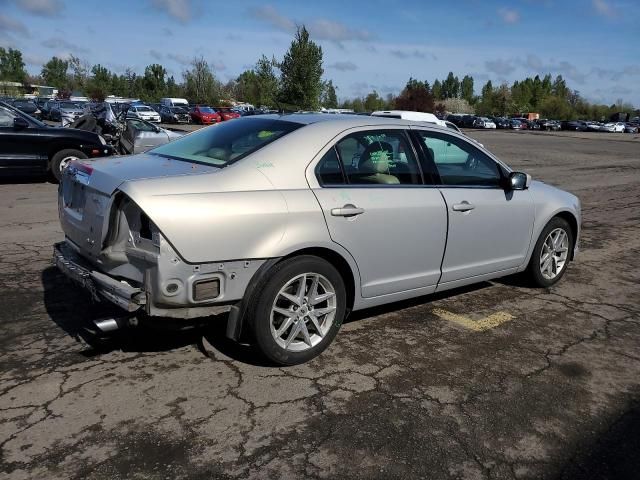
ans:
(489, 228)
(21, 149)
(377, 207)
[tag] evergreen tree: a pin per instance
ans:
(301, 73)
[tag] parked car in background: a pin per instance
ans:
(613, 127)
(575, 125)
(409, 115)
(226, 113)
(27, 106)
(549, 125)
(631, 128)
(227, 219)
(156, 107)
(140, 135)
(143, 112)
(175, 102)
(516, 124)
(174, 115)
(501, 122)
(30, 147)
(484, 122)
(455, 119)
(204, 115)
(64, 111)
(468, 121)
(594, 126)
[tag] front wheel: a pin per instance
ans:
(61, 159)
(298, 310)
(551, 254)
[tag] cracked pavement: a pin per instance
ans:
(402, 393)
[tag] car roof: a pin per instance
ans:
(346, 120)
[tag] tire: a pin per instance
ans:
(535, 271)
(264, 322)
(59, 160)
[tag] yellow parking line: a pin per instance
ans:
(486, 323)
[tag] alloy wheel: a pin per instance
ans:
(553, 256)
(303, 312)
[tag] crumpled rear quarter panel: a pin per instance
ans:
(206, 220)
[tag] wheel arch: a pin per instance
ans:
(236, 324)
(338, 262)
(571, 219)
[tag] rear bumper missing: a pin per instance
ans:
(99, 285)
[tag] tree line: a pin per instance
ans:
(296, 82)
(550, 97)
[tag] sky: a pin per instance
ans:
(367, 44)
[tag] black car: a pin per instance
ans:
(174, 115)
(575, 125)
(26, 106)
(501, 122)
(468, 121)
(28, 146)
(549, 125)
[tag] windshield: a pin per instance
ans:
(226, 143)
(144, 109)
(207, 110)
(178, 110)
(69, 105)
(23, 103)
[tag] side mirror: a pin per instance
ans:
(519, 181)
(20, 123)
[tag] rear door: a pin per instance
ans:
(378, 208)
(489, 228)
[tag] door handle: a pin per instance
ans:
(347, 211)
(464, 206)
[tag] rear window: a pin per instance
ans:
(226, 143)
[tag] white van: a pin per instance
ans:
(409, 115)
(174, 102)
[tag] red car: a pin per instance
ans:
(227, 114)
(204, 115)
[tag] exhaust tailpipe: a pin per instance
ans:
(107, 324)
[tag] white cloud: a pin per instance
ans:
(343, 66)
(509, 16)
(179, 58)
(10, 25)
(500, 66)
(270, 15)
(320, 29)
(156, 54)
(44, 8)
(323, 29)
(61, 43)
(178, 9)
(603, 8)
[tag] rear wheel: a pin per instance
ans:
(551, 254)
(61, 159)
(298, 310)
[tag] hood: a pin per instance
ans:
(107, 174)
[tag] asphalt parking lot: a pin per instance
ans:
(549, 389)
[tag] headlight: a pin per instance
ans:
(102, 140)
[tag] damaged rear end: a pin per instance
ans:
(117, 253)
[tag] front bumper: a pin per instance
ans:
(99, 285)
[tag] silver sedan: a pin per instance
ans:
(291, 222)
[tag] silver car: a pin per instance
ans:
(144, 113)
(291, 222)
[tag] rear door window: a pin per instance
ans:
(379, 157)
